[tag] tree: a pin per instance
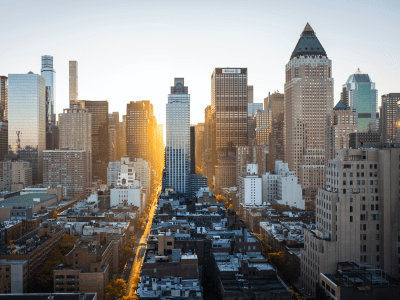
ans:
(115, 289)
(55, 214)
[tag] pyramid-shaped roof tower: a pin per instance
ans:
(340, 106)
(308, 44)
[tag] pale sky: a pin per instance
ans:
(132, 50)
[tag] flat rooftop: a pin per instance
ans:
(27, 200)
(58, 296)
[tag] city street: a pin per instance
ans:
(141, 249)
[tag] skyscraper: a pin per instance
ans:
(138, 116)
(76, 133)
(3, 139)
(177, 162)
(229, 107)
(73, 82)
(113, 131)
(228, 117)
(27, 119)
(49, 74)
(3, 98)
(193, 149)
(308, 99)
(276, 140)
(99, 112)
(360, 95)
(389, 121)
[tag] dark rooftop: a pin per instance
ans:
(340, 106)
(308, 44)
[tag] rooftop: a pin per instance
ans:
(27, 200)
(308, 44)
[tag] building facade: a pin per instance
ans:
(74, 166)
(73, 82)
(3, 139)
(75, 126)
(390, 118)
(177, 151)
(360, 95)
(100, 136)
(281, 187)
(308, 99)
(276, 142)
(340, 124)
(27, 119)
(15, 175)
(4, 98)
(49, 74)
(357, 215)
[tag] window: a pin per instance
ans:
(377, 248)
(362, 217)
(364, 237)
(377, 228)
(372, 207)
(377, 237)
(374, 217)
(377, 258)
(351, 218)
(169, 243)
(351, 208)
(363, 207)
(365, 226)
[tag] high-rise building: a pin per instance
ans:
(75, 125)
(192, 149)
(250, 94)
(177, 151)
(389, 121)
(357, 215)
(27, 119)
(73, 82)
(276, 139)
(262, 125)
(250, 186)
(99, 112)
(3, 139)
(73, 164)
(113, 131)
(49, 74)
(229, 106)
(251, 130)
(208, 169)
(4, 98)
(121, 138)
(360, 95)
(199, 147)
(340, 124)
(308, 99)
(138, 115)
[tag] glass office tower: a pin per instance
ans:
(3, 98)
(360, 95)
(27, 119)
(49, 74)
(177, 155)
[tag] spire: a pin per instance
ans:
(308, 29)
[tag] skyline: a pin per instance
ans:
(112, 66)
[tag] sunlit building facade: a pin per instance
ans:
(177, 156)
(360, 95)
(308, 100)
(73, 82)
(27, 119)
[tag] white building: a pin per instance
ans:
(250, 186)
(133, 195)
(177, 151)
(142, 169)
(114, 167)
(282, 187)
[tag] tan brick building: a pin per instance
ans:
(308, 100)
